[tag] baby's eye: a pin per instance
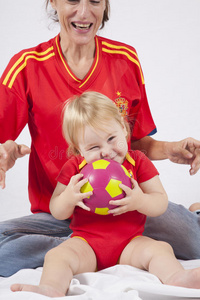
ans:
(111, 138)
(93, 148)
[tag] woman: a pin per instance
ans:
(33, 89)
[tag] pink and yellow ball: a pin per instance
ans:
(104, 177)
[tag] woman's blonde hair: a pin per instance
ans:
(89, 109)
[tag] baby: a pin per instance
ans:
(94, 129)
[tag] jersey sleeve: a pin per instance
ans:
(143, 123)
(69, 169)
(13, 106)
(145, 169)
(141, 120)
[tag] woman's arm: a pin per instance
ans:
(153, 149)
(186, 151)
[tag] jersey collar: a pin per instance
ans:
(66, 68)
(128, 157)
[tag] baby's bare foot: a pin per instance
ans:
(195, 206)
(186, 278)
(40, 289)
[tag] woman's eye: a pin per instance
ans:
(73, 1)
(92, 1)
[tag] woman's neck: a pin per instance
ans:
(78, 57)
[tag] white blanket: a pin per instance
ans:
(116, 283)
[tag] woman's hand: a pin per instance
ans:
(186, 151)
(9, 153)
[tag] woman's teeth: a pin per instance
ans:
(82, 26)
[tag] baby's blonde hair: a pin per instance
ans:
(89, 109)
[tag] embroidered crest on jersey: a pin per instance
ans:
(122, 104)
(131, 173)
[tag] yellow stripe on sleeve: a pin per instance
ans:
(30, 54)
(119, 47)
(24, 65)
(128, 56)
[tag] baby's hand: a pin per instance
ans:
(132, 200)
(74, 188)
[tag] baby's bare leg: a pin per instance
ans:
(158, 258)
(72, 257)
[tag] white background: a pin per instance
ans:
(166, 35)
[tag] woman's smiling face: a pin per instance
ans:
(79, 19)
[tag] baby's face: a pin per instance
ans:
(108, 143)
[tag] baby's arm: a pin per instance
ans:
(149, 198)
(66, 197)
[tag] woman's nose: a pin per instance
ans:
(83, 7)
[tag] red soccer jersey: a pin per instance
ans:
(34, 87)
